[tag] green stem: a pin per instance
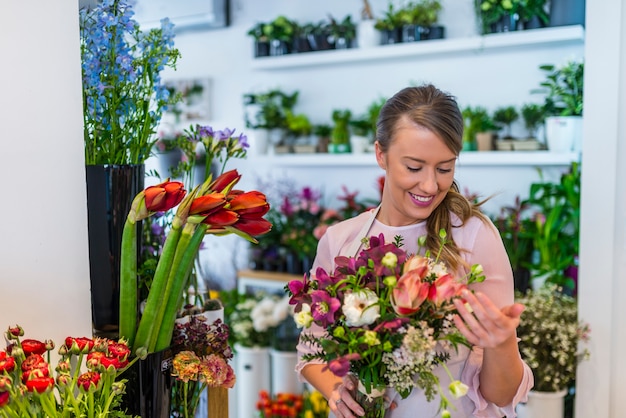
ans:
(156, 295)
(128, 282)
(178, 281)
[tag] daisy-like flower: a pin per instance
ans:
(304, 319)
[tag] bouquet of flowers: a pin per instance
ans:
(201, 361)
(86, 383)
(549, 333)
(387, 317)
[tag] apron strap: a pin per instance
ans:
(353, 249)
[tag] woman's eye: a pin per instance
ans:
(444, 170)
(413, 169)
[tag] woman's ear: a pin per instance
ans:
(381, 157)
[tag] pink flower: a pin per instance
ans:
(324, 307)
(410, 292)
(444, 289)
(341, 365)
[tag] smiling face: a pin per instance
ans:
(419, 172)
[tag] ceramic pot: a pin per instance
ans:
(564, 133)
(543, 405)
(367, 35)
(252, 368)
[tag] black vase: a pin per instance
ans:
(110, 192)
(567, 12)
(149, 386)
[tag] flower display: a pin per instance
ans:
(201, 361)
(289, 405)
(550, 333)
(388, 318)
(85, 382)
(123, 94)
(255, 318)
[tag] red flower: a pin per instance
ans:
(33, 347)
(164, 196)
(87, 379)
(34, 361)
(7, 364)
(227, 178)
(120, 351)
(35, 373)
(79, 345)
(4, 398)
(39, 384)
(207, 204)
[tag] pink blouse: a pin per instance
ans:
(482, 244)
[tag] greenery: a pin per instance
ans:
(476, 119)
(491, 11)
(555, 213)
(345, 28)
(341, 128)
(504, 118)
(563, 87)
(392, 19)
(269, 109)
(533, 115)
(123, 94)
(549, 333)
(528, 9)
(298, 125)
(421, 13)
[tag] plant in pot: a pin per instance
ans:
(299, 129)
(266, 113)
(261, 40)
(479, 125)
(390, 25)
(533, 115)
(418, 18)
(360, 134)
(504, 118)
(533, 14)
(322, 132)
(563, 105)
(280, 33)
(550, 334)
(343, 32)
(340, 134)
(497, 15)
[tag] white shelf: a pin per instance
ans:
(466, 159)
(508, 40)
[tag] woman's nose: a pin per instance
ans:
(429, 183)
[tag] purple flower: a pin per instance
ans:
(324, 307)
(341, 365)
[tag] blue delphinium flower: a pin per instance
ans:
(123, 93)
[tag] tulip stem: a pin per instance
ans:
(178, 282)
(156, 295)
(128, 282)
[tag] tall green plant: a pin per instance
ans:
(563, 87)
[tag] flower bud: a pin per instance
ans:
(390, 260)
(458, 389)
(14, 332)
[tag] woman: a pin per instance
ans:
(418, 140)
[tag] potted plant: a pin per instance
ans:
(497, 15)
(266, 113)
(563, 89)
(550, 334)
(533, 115)
(343, 32)
(280, 33)
(390, 26)
(299, 129)
(418, 18)
(533, 14)
(367, 35)
(360, 134)
(322, 132)
(478, 125)
(340, 135)
(504, 118)
(261, 40)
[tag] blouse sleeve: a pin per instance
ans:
(488, 250)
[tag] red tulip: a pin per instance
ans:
(164, 196)
(4, 398)
(252, 202)
(33, 347)
(221, 218)
(253, 227)
(410, 292)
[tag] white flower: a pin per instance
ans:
(360, 308)
(458, 389)
(262, 314)
(282, 309)
(304, 319)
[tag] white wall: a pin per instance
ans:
(44, 270)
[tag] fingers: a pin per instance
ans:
(342, 403)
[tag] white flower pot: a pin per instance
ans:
(358, 144)
(564, 133)
(367, 35)
(284, 376)
(259, 141)
(543, 405)
(252, 369)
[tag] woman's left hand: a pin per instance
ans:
(482, 323)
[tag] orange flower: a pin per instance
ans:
(164, 196)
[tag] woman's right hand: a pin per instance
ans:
(341, 400)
